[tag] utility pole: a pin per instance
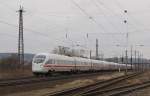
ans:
(142, 64)
(97, 49)
(126, 51)
(90, 54)
(131, 58)
(135, 64)
(122, 59)
(21, 39)
(138, 61)
(126, 70)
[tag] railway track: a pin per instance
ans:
(14, 86)
(10, 79)
(89, 89)
(19, 81)
(31, 80)
(121, 90)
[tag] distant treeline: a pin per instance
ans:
(11, 63)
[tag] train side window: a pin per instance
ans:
(70, 62)
(49, 61)
(79, 62)
(67, 62)
(60, 61)
(53, 61)
(63, 61)
(57, 61)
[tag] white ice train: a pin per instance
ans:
(44, 63)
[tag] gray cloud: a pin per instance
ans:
(47, 21)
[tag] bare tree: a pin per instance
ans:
(68, 51)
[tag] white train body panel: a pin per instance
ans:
(45, 62)
(38, 66)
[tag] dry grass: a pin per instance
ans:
(74, 83)
(67, 85)
(106, 77)
(15, 73)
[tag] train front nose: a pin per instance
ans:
(36, 67)
(37, 64)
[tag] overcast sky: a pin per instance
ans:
(46, 23)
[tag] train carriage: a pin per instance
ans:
(44, 63)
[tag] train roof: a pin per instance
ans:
(62, 57)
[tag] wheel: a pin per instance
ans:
(36, 74)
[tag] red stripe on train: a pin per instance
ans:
(52, 65)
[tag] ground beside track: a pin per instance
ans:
(9, 74)
(67, 84)
(80, 82)
(141, 92)
(135, 80)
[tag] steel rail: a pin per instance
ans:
(10, 79)
(118, 90)
(91, 87)
(130, 88)
(24, 81)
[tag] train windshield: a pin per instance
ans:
(39, 59)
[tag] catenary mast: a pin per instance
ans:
(20, 37)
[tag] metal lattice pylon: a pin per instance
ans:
(21, 39)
